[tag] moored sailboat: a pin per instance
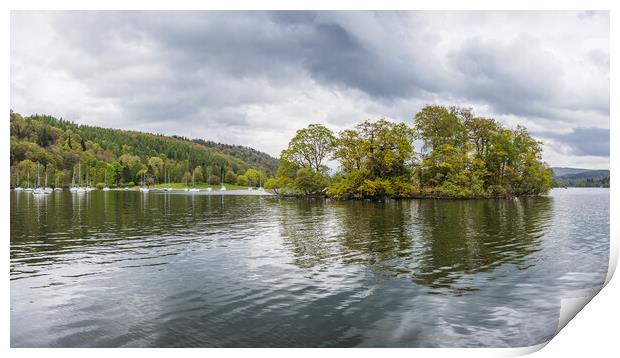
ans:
(38, 189)
(166, 182)
(47, 189)
(17, 186)
(28, 189)
(193, 189)
(56, 187)
(106, 187)
(144, 188)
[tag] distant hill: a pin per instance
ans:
(247, 154)
(559, 171)
(575, 177)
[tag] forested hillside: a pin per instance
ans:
(62, 149)
(247, 154)
(584, 178)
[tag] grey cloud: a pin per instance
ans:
(519, 77)
(583, 140)
(219, 68)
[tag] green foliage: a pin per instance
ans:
(253, 177)
(242, 180)
(117, 157)
(310, 147)
(463, 156)
(310, 182)
(230, 177)
(279, 185)
(251, 156)
(302, 169)
(198, 175)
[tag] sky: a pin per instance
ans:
(254, 78)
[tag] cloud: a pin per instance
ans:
(253, 78)
(583, 141)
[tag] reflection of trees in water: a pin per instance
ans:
(305, 226)
(434, 242)
(373, 233)
(46, 228)
(463, 237)
(59, 224)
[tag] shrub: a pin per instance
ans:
(497, 190)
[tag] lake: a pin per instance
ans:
(127, 269)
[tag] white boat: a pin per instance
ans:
(39, 190)
(144, 188)
(47, 189)
(209, 189)
(57, 187)
(77, 188)
(106, 188)
(126, 188)
(18, 188)
(167, 182)
(223, 188)
(28, 189)
(260, 186)
(193, 189)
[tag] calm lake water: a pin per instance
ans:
(126, 269)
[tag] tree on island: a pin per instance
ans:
(462, 156)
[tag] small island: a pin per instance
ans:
(460, 156)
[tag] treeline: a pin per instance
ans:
(590, 178)
(461, 156)
(62, 150)
(247, 154)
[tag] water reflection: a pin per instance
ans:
(120, 268)
(432, 242)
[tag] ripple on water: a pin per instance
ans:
(122, 269)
